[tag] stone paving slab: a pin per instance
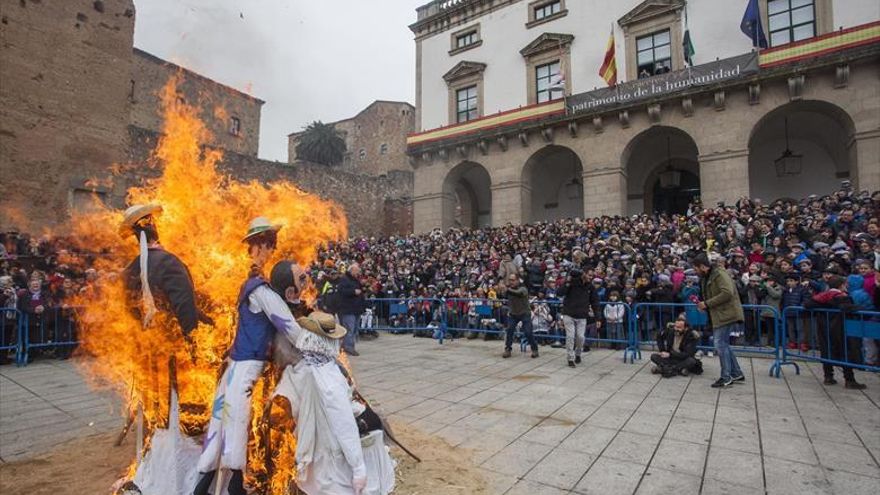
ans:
(535, 426)
(47, 403)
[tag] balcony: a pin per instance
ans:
(438, 7)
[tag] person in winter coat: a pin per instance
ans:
(833, 342)
(33, 303)
(350, 303)
(520, 312)
(677, 344)
(794, 295)
(615, 315)
(535, 275)
(507, 267)
(580, 307)
(772, 299)
(541, 319)
(690, 295)
(863, 301)
(725, 316)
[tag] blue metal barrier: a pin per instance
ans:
(831, 337)
(55, 328)
(472, 317)
(761, 331)
(10, 333)
(419, 316)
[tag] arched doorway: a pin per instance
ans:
(663, 172)
(467, 197)
(818, 139)
(553, 178)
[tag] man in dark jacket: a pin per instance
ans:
(580, 307)
(520, 312)
(677, 344)
(350, 304)
(833, 341)
(721, 301)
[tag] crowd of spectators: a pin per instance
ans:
(778, 253)
(38, 277)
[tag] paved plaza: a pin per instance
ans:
(535, 426)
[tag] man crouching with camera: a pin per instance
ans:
(580, 307)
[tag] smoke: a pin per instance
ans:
(309, 61)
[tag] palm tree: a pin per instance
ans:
(321, 143)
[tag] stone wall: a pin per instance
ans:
(374, 205)
(221, 104)
(64, 109)
(381, 123)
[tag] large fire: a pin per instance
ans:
(205, 216)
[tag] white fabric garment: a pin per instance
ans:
(146, 293)
(328, 451)
(226, 440)
(264, 300)
(380, 465)
(169, 465)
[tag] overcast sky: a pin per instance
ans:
(309, 60)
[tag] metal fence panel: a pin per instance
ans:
(55, 329)
(831, 337)
(10, 333)
(421, 316)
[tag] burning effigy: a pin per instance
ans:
(165, 353)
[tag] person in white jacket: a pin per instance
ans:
(615, 313)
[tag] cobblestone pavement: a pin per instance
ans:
(535, 426)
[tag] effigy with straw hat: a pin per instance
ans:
(260, 225)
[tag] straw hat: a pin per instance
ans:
(136, 212)
(258, 226)
(322, 324)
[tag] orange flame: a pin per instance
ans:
(204, 219)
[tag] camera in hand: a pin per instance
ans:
(576, 272)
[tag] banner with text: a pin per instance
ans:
(663, 84)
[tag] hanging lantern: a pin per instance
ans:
(669, 178)
(788, 163)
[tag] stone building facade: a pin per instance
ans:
(232, 117)
(63, 105)
(76, 99)
(375, 138)
(716, 130)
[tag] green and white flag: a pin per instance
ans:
(688, 46)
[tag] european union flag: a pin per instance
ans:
(751, 25)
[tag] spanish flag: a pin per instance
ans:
(608, 71)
